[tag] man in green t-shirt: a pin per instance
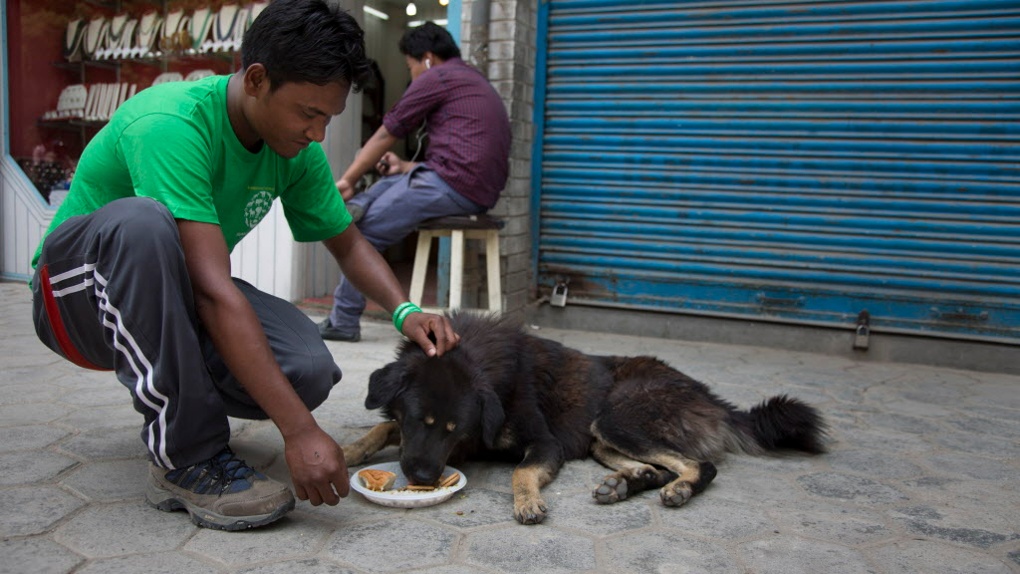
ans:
(133, 275)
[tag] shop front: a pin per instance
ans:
(854, 166)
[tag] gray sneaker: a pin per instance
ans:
(222, 492)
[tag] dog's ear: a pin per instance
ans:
(384, 385)
(492, 417)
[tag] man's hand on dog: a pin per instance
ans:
(433, 333)
(317, 467)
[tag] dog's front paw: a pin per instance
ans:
(613, 489)
(353, 454)
(676, 493)
(530, 511)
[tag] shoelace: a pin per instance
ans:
(217, 473)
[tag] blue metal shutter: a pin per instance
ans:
(786, 161)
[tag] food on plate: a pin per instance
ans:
(378, 480)
(451, 480)
(444, 482)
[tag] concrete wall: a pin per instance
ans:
(511, 69)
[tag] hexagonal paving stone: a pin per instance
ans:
(37, 556)
(351, 510)
(794, 555)
(452, 569)
(962, 526)
(579, 476)
(108, 392)
(860, 460)
(992, 501)
(743, 478)
(283, 539)
(22, 386)
(849, 487)
(837, 523)
(28, 437)
(390, 545)
(718, 517)
(306, 566)
(898, 422)
(32, 413)
(966, 465)
(98, 444)
(128, 528)
(471, 507)
(530, 549)
(149, 563)
(494, 476)
(884, 442)
(110, 481)
(579, 511)
(31, 510)
(32, 468)
(664, 551)
(117, 416)
(993, 446)
(911, 556)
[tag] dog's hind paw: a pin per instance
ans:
(613, 489)
(676, 493)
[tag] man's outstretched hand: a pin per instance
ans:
(317, 467)
(433, 333)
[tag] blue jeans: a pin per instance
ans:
(394, 207)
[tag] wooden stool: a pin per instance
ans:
(458, 228)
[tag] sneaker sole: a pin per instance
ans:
(167, 502)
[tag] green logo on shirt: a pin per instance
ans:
(257, 208)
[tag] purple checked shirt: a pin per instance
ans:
(468, 127)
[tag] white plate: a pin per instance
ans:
(407, 498)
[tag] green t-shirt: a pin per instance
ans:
(174, 143)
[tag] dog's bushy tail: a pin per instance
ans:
(784, 423)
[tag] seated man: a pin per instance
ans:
(463, 172)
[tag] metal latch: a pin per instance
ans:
(559, 295)
(863, 333)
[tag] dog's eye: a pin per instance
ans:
(451, 426)
(430, 420)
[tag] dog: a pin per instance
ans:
(508, 393)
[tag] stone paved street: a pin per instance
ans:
(921, 477)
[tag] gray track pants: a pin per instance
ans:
(111, 292)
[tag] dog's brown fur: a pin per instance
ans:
(504, 391)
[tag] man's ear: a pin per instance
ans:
(256, 80)
(493, 417)
(384, 385)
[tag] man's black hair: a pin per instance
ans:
(429, 37)
(311, 41)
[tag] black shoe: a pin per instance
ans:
(329, 332)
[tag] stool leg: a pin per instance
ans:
(492, 271)
(421, 264)
(443, 271)
(456, 268)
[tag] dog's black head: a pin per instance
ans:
(442, 408)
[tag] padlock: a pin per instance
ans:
(863, 332)
(559, 295)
